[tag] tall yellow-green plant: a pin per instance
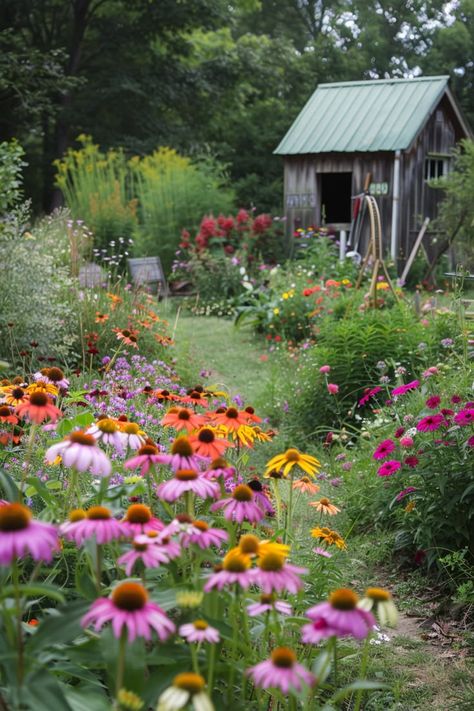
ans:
(174, 192)
(94, 185)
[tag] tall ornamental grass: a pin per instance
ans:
(94, 185)
(173, 193)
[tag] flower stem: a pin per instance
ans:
(211, 665)
(20, 667)
(120, 664)
(194, 657)
(289, 515)
(363, 671)
(98, 569)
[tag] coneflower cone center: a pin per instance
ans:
(232, 413)
(324, 502)
(138, 513)
(5, 411)
(219, 463)
(130, 596)
(139, 547)
(14, 517)
(255, 485)
(193, 683)
(377, 594)
(98, 513)
(186, 475)
(184, 415)
(271, 562)
(242, 493)
(76, 515)
(200, 625)
(235, 564)
(131, 428)
(147, 449)
(39, 399)
(18, 393)
(86, 440)
(201, 526)
(343, 599)
(55, 374)
(267, 599)
(292, 455)
(107, 425)
(182, 446)
(283, 657)
(206, 436)
(249, 544)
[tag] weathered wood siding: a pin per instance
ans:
(302, 199)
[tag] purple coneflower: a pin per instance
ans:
(339, 617)
(96, 521)
(268, 602)
(235, 570)
(147, 456)
(241, 506)
(139, 519)
(144, 549)
(219, 467)
(261, 498)
(181, 456)
(20, 535)
(274, 574)
(186, 480)
(79, 450)
(322, 552)
(281, 671)
(107, 431)
(129, 608)
(199, 631)
(132, 436)
(200, 533)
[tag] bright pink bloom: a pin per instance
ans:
(203, 536)
(433, 402)
(187, 480)
(455, 399)
(406, 442)
(146, 457)
(281, 672)
(333, 389)
(20, 535)
(128, 608)
(430, 372)
(221, 579)
(411, 461)
(389, 468)
(139, 519)
(177, 461)
(470, 442)
(464, 417)
(368, 394)
(241, 506)
(384, 449)
(399, 432)
(273, 574)
(199, 631)
(402, 389)
(430, 423)
(338, 616)
(267, 604)
(325, 369)
(79, 450)
(401, 495)
(144, 549)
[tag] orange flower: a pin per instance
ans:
(195, 397)
(163, 395)
(325, 506)
(128, 336)
(116, 300)
(38, 408)
(182, 419)
(305, 485)
(101, 318)
(206, 444)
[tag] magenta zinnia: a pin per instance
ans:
(389, 468)
(464, 417)
(430, 423)
(384, 449)
(129, 608)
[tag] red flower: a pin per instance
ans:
(261, 224)
(433, 402)
(242, 217)
(411, 461)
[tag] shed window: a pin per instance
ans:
(436, 167)
(336, 197)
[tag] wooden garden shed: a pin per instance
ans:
(401, 131)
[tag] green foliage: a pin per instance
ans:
(11, 165)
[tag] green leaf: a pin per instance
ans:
(85, 700)
(43, 693)
(322, 666)
(8, 486)
(34, 590)
(61, 626)
(359, 685)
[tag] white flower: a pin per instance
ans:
(186, 688)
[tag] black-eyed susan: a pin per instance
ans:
(289, 459)
(332, 538)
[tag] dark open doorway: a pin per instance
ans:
(336, 191)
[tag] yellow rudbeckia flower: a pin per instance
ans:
(286, 461)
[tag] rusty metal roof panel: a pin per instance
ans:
(359, 116)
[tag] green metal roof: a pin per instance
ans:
(377, 115)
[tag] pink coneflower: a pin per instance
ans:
(132, 436)
(268, 602)
(219, 467)
(166, 543)
(146, 457)
(322, 552)
(274, 574)
(20, 535)
(339, 617)
(96, 521)
(139, 519)
(368, 395)
(79, 450)
(325, 369)
(206, 444)
(202, 535)
(433, 402)
(402, 389)
(405, 492)
(128, 608)
(333, 389)
(181, 456)
(281, 672)
(235, 571)
(38, 408)
(406, 442)
(199, 631)
(411, 461)
(389, 468)
(186, 480)
(384, 449)
(107, 431)
(464, 417)
(430, 423)
(144, 549)
(241, 506)
(261, 496)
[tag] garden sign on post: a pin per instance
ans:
(148, 272)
